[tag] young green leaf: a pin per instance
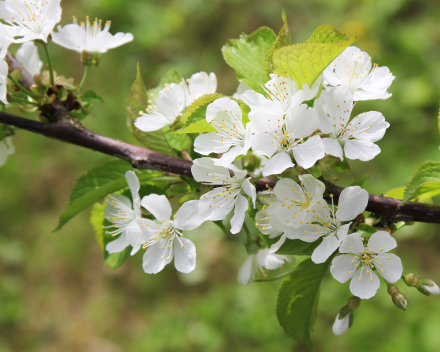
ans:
(90, 96)
(425, 183)
(282, 40)
(138, 101)
(298, 300)
(172, 76)
(97, 184)
(194, 118)
(291, 247)
(305, 62)
(366, 230)
(327, 34)
(247, 55)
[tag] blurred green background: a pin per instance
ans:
(55, 295)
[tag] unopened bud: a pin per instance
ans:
(344, 319)
(399, 299)
(423, 284)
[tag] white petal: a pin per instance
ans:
(343, 231)
(332, 147)
(352, 244)
(308, 153)
(117, 245)
(184, 255)
(155, 258)
(231, 155)
(250, 190)
(381, 242)
(306, 233)
(343, 267)
(268, 260)
(110, 210)
(359, 149)
(217, 109)
(204, 170)
(325, 249)
(137, 231)
(151, 122)
(369, 126)
(277, 245)
(277, 164)
(364, 288)
(200, 84)
(352, 202)
(248, 271)
(27, 55)
(213, 206)
(312, 185)
(157, 205)
(340, 326)
(208, 143)
(303, 121)
(391, 268)
(133, 183)
(241, 205)
(188, 216)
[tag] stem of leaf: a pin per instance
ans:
(84, 77)
(23, 89)
(21, 100)
(49, 61)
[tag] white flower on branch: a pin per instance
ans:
(4, 70)
(126, 219)
(280, 138)
(30, 20)
(165, 239)
(6, 149)
(330, 223)
(352, 69)
(5, 40)
(89, 38)
(231, 138)
(173, 100)
(220, 201)
(255, 264)
(28, 56)
(281, 94)
(362, 262)
(357, 136)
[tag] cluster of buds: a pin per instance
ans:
(423, 284)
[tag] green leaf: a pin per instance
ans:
(138, 101)
(360, 182)
(97, 221)
(90, 96)
(97, 184)
(178, 142)
(282, 40)
(292, 247)
(247, 55)
(194, 118)
(366, 230)
(342, 165)
(327, 34)
(315, 171)
(298, 300)
(172, 76)
(220, 224)
(425, 183)
(245, 110)
(305, 62)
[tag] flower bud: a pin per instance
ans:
(344, 319)
(423, 284)
(399, 299)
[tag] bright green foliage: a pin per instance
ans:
(177, 142)
(138, 101)
(114, 260)
(298, 300)
(315, 171)
(172, 76)
(326, 165)
(97, 184)
(365, 230)
(425, 183)
(194, 118)
(292, 247)
(327, 34)
(247, 55)
(342, 165)
(282, 40)
(90, 96)
(305, 62)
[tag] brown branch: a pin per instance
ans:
(70, 130)
(26, 79)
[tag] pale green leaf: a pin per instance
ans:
(425, 183)
(298, 300)
(327, 34)
(282, 40)
(305, 62)
(138, 101)
(97, 184)
(291, 247)
(247, 55)
(97, 221)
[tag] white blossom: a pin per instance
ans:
(173, 100)
(341, 326)
(352, 69)
(28, 56)
(126, 219)
(434, 289)
(242, 87)
(330, 223)
(6, 149)
(281, 94)
(5, 40)
(280, 138)
(231, 136)
(220, 201)
(364, 261)
(88, 37)
(165, 237)
(356, 137)
(4, 70)
(30, 20)
(256, 263)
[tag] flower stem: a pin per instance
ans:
(84, 77)
(23, 89)
(49, 61)
(21, 100)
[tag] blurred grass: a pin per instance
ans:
(56, 296)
